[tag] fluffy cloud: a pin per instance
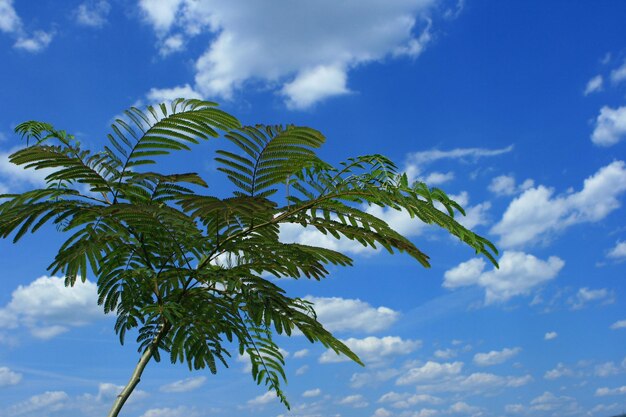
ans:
(8, 377)
(601, 392)
(11, 24)
(504, 185)
(307, 57)
(16, 177)
(263, 399)
(342, 314)
(618, 252)
(312, 393)
(610, 126)
(551, 403)
(436, 377)
(170, 412)
(495, 357)
(594, 85)
(373, 349)
(9, 20)
(585, 296)
(92, 13)
(560, 371)
(550, 336)
(356, 401)
(49, 401)
(621, 324)
(184, 385)
(537, 213)
(418, 161)
(407, 400)
(48, 308)
(430, 371)
(160, 95)
(519, 274)
(619, 74)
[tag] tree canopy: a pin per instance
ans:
(192, 273)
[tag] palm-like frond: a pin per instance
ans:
(155, 244)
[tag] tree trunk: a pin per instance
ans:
(136, 376)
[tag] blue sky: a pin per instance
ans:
(517, 108)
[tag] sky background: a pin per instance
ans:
(516, 108)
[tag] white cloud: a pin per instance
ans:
(445, 353)
(312, 393)
(173, 44)
(619, 74)
(381, 412)
(461, 407)
(307, 57)
(594, 85)
(11, 24)
(160, 95)
(314, 85)
(301, 353)
(170, 412)
(160, 13)
(537, 214)
(514, 408)
(560, 371)
(16, 177)
(618, 252)
(504, 185)
(48, 401)
(619, 325)
(519, 274)
(551, 403)
(302, 370)
(438, 178)
(343, 314)
(361, 379)
(606, 369)
(585, 296)
(35, 42)
(92, 13)
(263, 399)
(407, 400)
(601, 392)
(430, 371)
(550, 336)
(373, 349)
(450, 380)
(184, 385)
(48, 308)
(495, 357)
(610, 126)
(417, 161)
(9, 20)
(356, 401)
(8, 377)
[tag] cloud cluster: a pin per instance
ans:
(48, 308)
(495, 357)
(11, 24)
(373, 349)
(92, 13)
(184, 385)
(519, 274)
(303, 51)
(342, 314)
(610, 127)
(8, 377)
(537, 213)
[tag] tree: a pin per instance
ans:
(188, 271)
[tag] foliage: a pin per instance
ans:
(189, 271)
